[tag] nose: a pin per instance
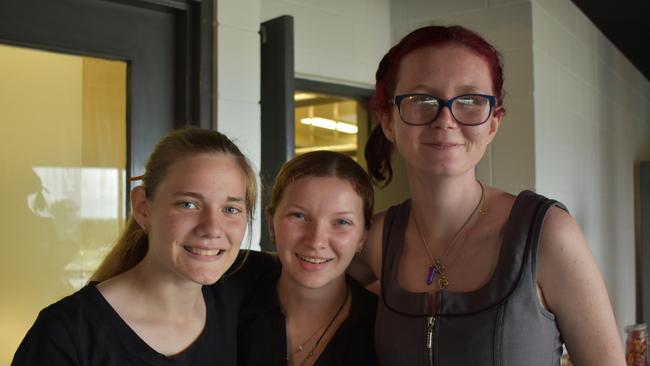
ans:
(444, 119)
(316, 236)
(210, 224)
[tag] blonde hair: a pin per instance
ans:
(132, 244)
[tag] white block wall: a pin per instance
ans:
(237, 75)
(592, 122)
(336, 41)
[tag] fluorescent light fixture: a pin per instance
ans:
(330, 124)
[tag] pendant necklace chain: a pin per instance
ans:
(437, 268)
(322, 335)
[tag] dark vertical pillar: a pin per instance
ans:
(277, 105)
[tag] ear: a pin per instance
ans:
(386, 122)
(362, 241)
(269, 225)
(495, 122)
(140, 207)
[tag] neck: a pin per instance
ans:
(311, 303)
(443, 204)
(159, 291)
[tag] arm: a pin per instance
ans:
(47, 343)
(574, 290)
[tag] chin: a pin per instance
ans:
(205, 278)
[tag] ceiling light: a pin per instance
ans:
(330, 124)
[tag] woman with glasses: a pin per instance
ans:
(469, 274)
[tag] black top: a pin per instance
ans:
(83, 328)
(263, 339)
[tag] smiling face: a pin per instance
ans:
(196, 218)
(443, 147)
(318, 225)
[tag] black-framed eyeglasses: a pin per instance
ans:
(423, 109)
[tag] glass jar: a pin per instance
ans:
(636, 346)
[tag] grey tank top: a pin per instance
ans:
(501, 323)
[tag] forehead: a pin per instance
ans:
(445, 67)
(205, 172)
(321, 191)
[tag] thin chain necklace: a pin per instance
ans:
(313, 349)
(437, 267)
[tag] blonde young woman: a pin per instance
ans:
(149, 302)
(309, 312)
(471, 275)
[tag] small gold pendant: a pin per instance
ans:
(439, 267)
(443, 282)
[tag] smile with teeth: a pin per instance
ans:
(313, 260)
(205, 252)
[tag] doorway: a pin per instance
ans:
(88, 88)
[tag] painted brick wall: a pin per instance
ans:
(592, 122)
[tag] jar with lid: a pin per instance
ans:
(636, 346)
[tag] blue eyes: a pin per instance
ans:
(336, 222)
(343, 222)
(189, 205)
(297, 215)
(229, 210)
(232, 210)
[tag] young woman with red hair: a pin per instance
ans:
(471, 275)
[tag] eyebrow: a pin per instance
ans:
(201, 197)
(298, 207)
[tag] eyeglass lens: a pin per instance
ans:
(466, 109)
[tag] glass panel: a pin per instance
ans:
(326, 122)
(62, 178)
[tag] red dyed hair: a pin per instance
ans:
(378, 149)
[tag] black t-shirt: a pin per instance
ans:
(262, 334)
(83, 329)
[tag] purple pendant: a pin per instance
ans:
(431, 274)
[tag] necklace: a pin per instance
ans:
(329, 325)
(437, 267)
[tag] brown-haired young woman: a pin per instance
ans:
(309, 312)
(471, 275)
(149, 303)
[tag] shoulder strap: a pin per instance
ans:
(535, 228)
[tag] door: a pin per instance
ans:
(88, 87)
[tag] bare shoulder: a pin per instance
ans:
(562, 241)
(574, 290)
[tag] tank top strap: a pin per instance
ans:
(535, 228)
(518, 251)
(392, 294)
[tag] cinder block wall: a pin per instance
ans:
(592, 122)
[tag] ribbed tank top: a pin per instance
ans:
(501, 323)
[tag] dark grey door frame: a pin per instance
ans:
(166, 43)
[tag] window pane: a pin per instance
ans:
(326, 122)
(62, 178)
